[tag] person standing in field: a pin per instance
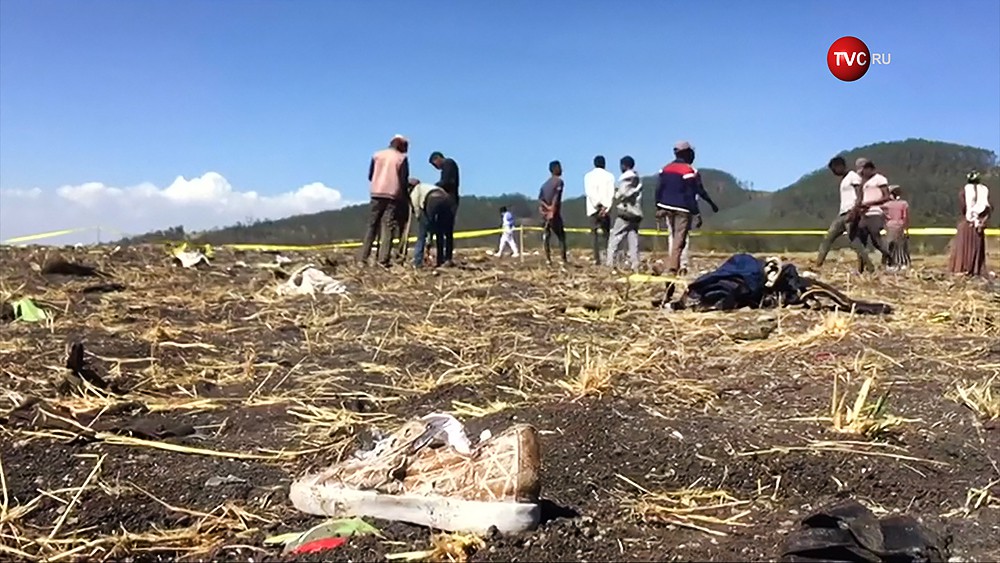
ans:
(897, 225)
(968, 248)
(678, 186)
(695, 224)
(599, 189)
(434, 212)
(627, 203)
(507, 236)
(850, 198)
(870, 217)
(449, 183)
(550, 206)
(388, 175)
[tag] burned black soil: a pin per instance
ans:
(227, 392)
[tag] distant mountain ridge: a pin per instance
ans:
(930, 172)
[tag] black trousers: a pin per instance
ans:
(869, 231)
(600, 230)
(554, 226)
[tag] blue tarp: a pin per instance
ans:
(739, 280)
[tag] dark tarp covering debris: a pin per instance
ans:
(746, 281)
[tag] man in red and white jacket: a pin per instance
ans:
(677, 194)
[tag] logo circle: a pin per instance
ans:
(848, 58)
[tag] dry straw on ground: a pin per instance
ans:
(278, 385)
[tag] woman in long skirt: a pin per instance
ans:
(897, 226)
(968, 249)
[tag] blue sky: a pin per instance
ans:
(275, 95)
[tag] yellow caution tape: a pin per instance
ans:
(647, 278)
(918, 231)
(41, 236)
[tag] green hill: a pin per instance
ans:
(930, 172)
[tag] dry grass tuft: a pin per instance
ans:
(834, 326)
(694, 507)
(977, 498)
(979, 397)
(592, 376)
(864, 418)
(451, 548)
(321, 426)
(467, 410)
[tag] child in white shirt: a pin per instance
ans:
(507, 237)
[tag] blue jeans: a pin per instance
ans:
(438, 219)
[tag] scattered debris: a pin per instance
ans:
(432, 482)
(158, 429)
(25, 310)
(104, 288)
(215, 480)
(308, 280)
(317, 546)
(7, 313)
(330, 534)
(79, 373)
(848, 531)
(64, 268)
(746, 281)
(190, 258)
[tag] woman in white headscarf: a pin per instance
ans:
(968, 249)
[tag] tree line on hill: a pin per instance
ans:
(930, 172)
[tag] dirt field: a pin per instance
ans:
(645, 415)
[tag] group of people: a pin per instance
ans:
(869, 205)
(395, 196)
(678, 189)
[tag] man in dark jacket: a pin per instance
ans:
(448, 183)
(677, 191)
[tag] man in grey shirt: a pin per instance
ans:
(628, 205)
(550, 206)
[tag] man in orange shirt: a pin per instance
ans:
(388, 173)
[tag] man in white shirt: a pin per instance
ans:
(874, 192)
(599, 187)
(850, 197)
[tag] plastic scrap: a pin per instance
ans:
(308, 280)
(25, 310)
(191, 258)
(216, 480)
(452, 429)
(330, 534)
(319, 545)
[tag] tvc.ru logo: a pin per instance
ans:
(849, 58)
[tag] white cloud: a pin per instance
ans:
(199, 203)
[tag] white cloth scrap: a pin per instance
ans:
(308, 280)
(190, 258)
